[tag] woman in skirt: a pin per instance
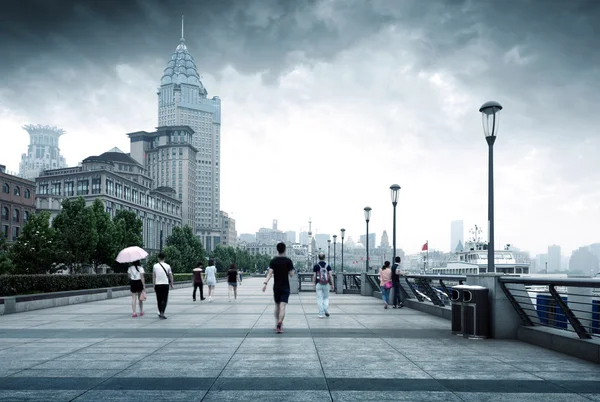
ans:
(137, 284)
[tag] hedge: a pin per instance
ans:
(11, 285)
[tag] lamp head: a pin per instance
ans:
(395, 192)
(489, 115)
(367, 213)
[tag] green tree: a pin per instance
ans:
(223, 256)
(128, 228)
(35, 251)
(107, 247)
(189, 250)
(77, 237)
(6, 265)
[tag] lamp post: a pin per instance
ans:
(395, 190)
(328, 250)
(489, 117)
(343, 232)
(367, 218)
(334, 243)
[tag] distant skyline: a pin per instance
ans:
(328, 103)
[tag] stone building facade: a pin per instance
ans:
(17, 202)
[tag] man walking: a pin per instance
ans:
(197, 274)
(322, 280)
(281, 268)
(162, 277)
(397, 301)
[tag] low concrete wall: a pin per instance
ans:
(561, 341)
(429, 308)
(19, 304)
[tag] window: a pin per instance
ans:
(27, 193)
(119, 190)
(25, 216)
(109, 187)
(15, 215)
(69, 189)
(83, 187)
(5, 213)
(17, 190)
(5, 188)
(96, 185)
(15, 233)
(43, 189)
(5, 231)
(55, 189)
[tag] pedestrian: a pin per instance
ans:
(162, 277)
(397, 299)
(233, 278)
(323, 280)
(211, 279)
(280, 268)
(197, 276)
(385, 282)
(137, 286)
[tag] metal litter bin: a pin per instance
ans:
(475, 312)
(456, 299)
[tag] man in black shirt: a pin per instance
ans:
(281, 268)
(397, 302)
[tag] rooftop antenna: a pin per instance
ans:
(182, 37)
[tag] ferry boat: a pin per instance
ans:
(474, 261)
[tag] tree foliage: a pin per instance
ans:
(128, 229)
(224, 256)
(183, 249)
(107, 247)
(36, 249)
(6, 265)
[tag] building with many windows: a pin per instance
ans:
(183, 100)
(122, 184)
(170, 160)
(43, 151)
(229, 234)
(17, 202)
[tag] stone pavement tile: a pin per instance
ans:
(119, 350)
(466, 365)
(5, 372)
(99, 357)
(593, 397)
(519, 397)
(381, 373)
(141, 395)
(17, 364)
(82, 371)
(562, 366)
(409, 396)
(29, 355)
(502, 386)
(159, 383)
(383, 383)
(279, 371)
(579, 386)
(38, 396)
(89, 364)
(482, 375)
(268, 396)
(567, 375)
(274, 362)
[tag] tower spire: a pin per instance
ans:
(182, 37)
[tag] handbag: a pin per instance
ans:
(142, 296)
(389, 285)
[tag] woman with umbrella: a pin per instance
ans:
(136, 276)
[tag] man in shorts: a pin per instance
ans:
(280, 268)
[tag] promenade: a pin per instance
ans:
(228, 351)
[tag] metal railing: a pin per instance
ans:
(570, 304)
(435, 289)
(351, 282)
(305, 283)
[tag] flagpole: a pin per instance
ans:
(427, 263)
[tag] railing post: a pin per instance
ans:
(573, 320)
(365, 285)
(412, 288)
(295, 284)
(339, 283)
(10, 305)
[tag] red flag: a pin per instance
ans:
(425, 247)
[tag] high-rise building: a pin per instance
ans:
(43, 151)
(183, 101)
(554, 258)
(372, 240)
(170, 159)
(385, 241)
(290, 236)
(457, 236)
(248, 238)
(229, 234)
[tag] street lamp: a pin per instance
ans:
(343, 232)
(367, 218)
(334, 243)
(395, 190)
(328, 250)
(489, 111)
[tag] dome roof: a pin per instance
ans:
(181, 69)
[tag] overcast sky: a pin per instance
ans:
(326, 103)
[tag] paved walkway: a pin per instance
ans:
(226, 351)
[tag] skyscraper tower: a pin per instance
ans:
(183, 101)
(43, 151)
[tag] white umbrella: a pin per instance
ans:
(131, 254)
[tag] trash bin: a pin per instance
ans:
(456, 296)
(475, 312)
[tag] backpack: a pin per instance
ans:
(323, 274)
